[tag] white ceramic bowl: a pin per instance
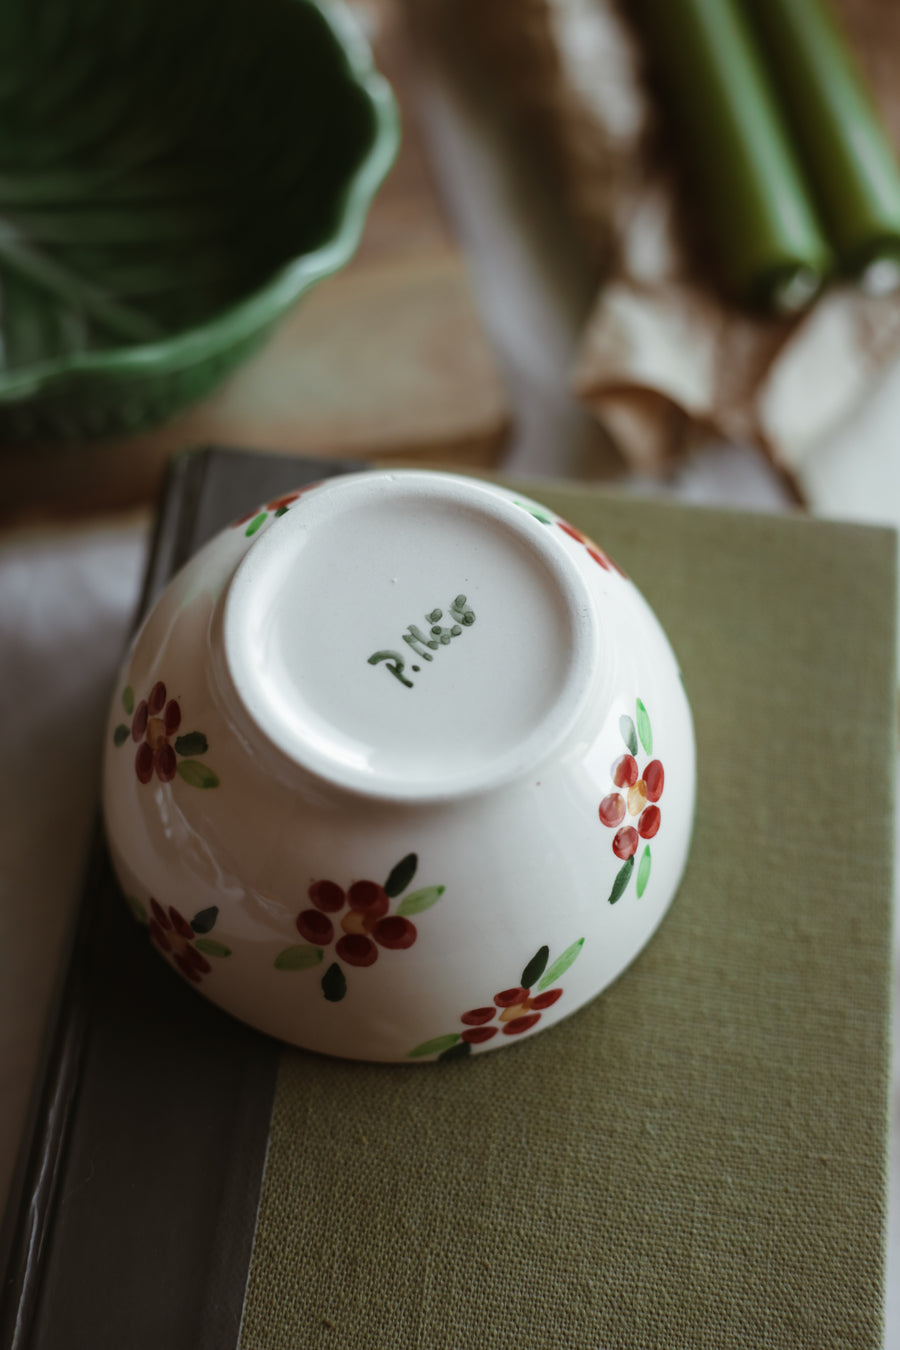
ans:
(400, 767)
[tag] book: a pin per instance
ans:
(697, 1158)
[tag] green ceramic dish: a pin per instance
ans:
(174, 174)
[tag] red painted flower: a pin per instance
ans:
(186, 943)
(161, 750)
(519, 1010)
(277, 507)
(637, 800)
(280, 504)
(602, 559)
(511, 1012)
(633, 810)
(357, 921)
(365, 922)
(156, 720)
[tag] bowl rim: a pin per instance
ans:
(248, 318)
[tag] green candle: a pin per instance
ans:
(770, 247)
(849, 159)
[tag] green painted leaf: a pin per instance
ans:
(193, 743)
(644, 730)
(334, 983)
(535, 968)
(255, 523)
(621, 881)
(435, 1047)
(461, 1051)
(629, 735)
(121, 734)
(210, 948)
(643, 875)
(298, 958)
(128, 699)
(417, 901)
(196, 774)
(136, 908)
(401, 875)
(205, 919)
(561, 964)
(537, 513)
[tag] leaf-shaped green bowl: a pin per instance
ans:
(173, 176)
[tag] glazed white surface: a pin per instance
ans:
(513, 841)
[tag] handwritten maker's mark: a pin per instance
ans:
(423, 644)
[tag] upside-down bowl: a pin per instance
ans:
(400, 766)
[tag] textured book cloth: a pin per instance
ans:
(696, 1159)
(699, 1157)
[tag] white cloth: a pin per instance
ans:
(66, 603)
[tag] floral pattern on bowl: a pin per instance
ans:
(599, 555)
(184, 941)
(161, 751)
(639, 791)
(278, 506)
(362, 914)
(512, 1011)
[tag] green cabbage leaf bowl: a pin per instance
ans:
(174, 175)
